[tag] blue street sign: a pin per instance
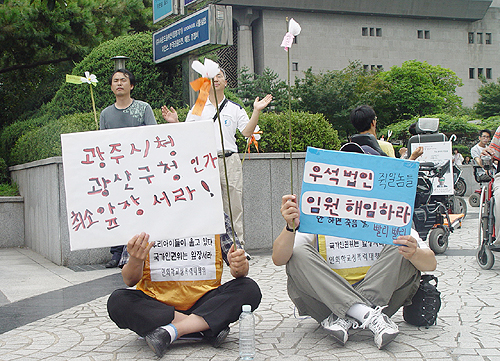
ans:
(181, 37)
(162, 9)
(187, 2)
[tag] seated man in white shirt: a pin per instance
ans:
(356, 297)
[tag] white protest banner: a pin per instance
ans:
(357, 196)
(183, 259)
(438, 153)
(159, 179)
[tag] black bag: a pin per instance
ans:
(425, 304)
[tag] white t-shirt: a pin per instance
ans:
(476, 150)
(232, 117)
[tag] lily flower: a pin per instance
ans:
(89, 78)
(208, 70)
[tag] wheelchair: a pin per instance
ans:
(486, 230)
(482, 178)
(432, 216)
(435, 216)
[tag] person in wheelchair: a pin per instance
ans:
(493, 151)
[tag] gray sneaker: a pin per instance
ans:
(383, 328)
(337, 327)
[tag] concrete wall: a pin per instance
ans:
(266, 180)
(41, 183)
(11, 222)
(45, 227)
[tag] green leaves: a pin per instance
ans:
(489, 100)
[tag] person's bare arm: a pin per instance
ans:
(258, 106)
(422, 258)
(283, 244)
(138, 249)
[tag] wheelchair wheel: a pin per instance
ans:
(460, 187)
(474, 200)
(458, 205)
(438, 240)
(485, 257)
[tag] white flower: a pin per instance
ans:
(294, 27)
(208, 70)
(89, 78)
(293, 30)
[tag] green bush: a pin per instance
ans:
(157, 85)
(8, 190)
(448, 124)
(307, 130)
(4, 171)
(45, 142)
(13, 132)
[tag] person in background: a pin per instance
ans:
(484, 140)
(233, 117)
(125, 112)
(457, 157)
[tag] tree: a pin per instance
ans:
(39, 45)
(335, 93)
(488, 104)
(259, 85)
(418, 88)
(30, 34)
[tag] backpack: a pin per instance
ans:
(425, 303)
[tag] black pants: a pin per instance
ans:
(135, 310)
(116, 251)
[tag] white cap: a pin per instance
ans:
(246, 308)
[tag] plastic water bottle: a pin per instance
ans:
(247, 333)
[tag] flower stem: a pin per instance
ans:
(225, 168)
(93, 107)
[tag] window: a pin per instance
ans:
(372, 31)
(488, 73)
(420, 34)
(488, 38)
(366, 67)
(372, 67)
(479, 72)
(471, 38)
(364, 31)
(427, 34)
(378, 32)
(295, 66)
(471, 73)
(479, 38)
(380, 67)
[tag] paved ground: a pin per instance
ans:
(55, 313)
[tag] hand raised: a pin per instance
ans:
(138, 247)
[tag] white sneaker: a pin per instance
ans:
(337, 327)
(383, 328)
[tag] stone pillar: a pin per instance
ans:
(244, 17)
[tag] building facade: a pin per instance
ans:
(462, 35)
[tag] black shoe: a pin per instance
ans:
(112, 264)
(216, 341)
(158, 341)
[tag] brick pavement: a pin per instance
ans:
(468, 327)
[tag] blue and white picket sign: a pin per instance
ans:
(357, 196)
